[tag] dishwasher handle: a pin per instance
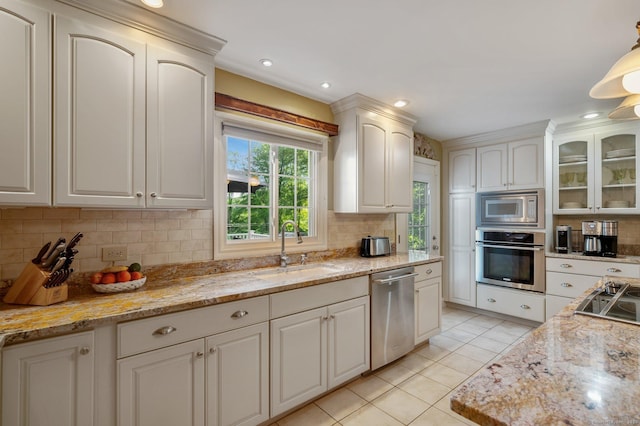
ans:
(389, 280)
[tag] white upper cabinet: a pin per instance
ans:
(462, 171)
(511, 166)
(595, 172)
(134, 120)
(25, 111)
(373, 162)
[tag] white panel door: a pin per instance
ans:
(526, 164)
(400, 170)
(179, 128)
(348, 340)
(25, 110)
(49, 382)
(372, 141)
(298, 359)
(492, 168)
(462, 171)
(100, 122)
(427, 309)
(238, 376)
(164, 387)
(462, 280)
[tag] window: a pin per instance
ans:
(419, 220)
(267, 174)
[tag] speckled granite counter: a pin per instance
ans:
(580, 256)
(84, 310)
(572, 370)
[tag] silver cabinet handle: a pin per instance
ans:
(153, 195)
(429, 271)
(239, 314)
(491, 299)
(332, 317)
(199, 354)
(566, 265)
(213, 350)
(139, 194)
(525, 306)
(566, 285)
(436, 247)
(614, 270)
(85, 350)
(163, 331)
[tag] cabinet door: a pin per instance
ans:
(100, 122)
(427, 309)
(491, 163)
(400, 170)
(238, 376)
(372, 152)
(526, 164)
(462, 171)
(163, 387)
(179, 128)
(49, 382)
(348, 340)
(573, 174)
(298, 359)
(462, 279)
(25, 112)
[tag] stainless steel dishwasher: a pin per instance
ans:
(392, 315)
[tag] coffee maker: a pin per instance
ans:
(563, 239)
(592, 231)
(609, 238)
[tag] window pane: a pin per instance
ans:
(237, 223)
(284, 215)
(260, 154)
(303, 221)
(260, 193)
(237, 154)
(302, 193)
(286, 192)
(302, 163)
(259, 223)
(286, 161)
(419, 218)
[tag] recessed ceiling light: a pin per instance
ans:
(266, 62)
(590, 115)
(400, 103)
(153, 3)
(325, 85)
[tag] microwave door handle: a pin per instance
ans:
(509, 247)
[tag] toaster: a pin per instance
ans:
(375, 246)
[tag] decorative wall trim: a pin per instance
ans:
(235, 104)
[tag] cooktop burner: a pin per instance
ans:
(616, 300)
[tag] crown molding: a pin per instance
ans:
(358, 100)
(510, 134)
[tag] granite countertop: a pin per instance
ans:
(580, 256)
(572, 370)
(87, 309)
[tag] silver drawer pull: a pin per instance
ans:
(525, 306)
(566, 285)
(491, 299)
(566, 265)
(429, 271)
(84, 350)
(163, 331)
(239, 314)
(213, 350)
(199, 354)
(614, 270)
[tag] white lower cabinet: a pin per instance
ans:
(49, 382)
(517, 303)
(317, 350)
(427, 301)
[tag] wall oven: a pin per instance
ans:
(510, 208)
(511, 258)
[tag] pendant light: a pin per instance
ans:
(629, 109)
(623, 78)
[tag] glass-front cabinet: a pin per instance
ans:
(596, 172)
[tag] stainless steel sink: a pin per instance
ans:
(299, 272)
(618, 301)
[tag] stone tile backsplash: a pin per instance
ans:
(151, 237)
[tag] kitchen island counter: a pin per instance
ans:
(573, 369)
(87, 309)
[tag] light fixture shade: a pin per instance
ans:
(611, 85)
(153, 3)
(628, 109)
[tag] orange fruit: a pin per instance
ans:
(123, 276)
(95, 278)
(136, 275)
(108, 278)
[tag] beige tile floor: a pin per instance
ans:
(415, 390)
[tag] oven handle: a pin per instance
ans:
(509, 247)
(401, 277)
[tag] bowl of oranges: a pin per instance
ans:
(115, 279)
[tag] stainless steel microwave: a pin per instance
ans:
(510, 208)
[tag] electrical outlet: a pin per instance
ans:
(114, 253)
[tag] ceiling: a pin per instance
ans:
(466, 66)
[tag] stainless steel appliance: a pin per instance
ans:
(616, 300)
(513, 258)
(375, 246)
(392, 315)
(563, 238)
(609, 238)
(591, 232)
(510, 208)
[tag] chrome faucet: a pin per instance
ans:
(284, 259)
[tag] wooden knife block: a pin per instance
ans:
(28, 288)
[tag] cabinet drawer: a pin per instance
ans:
(569, 285)
(152, 333)
(555, 304)
(430, 270)
(517, 303)
(593, 267)
(303, 299)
